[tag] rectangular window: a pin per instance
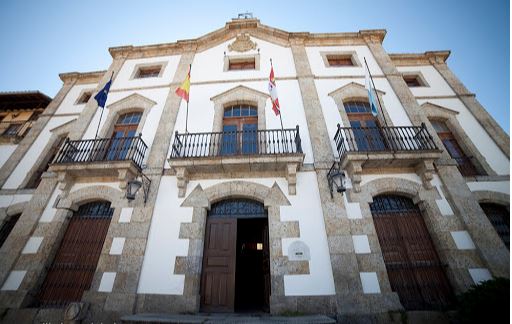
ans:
(148, 72)
(338, 60)
(412, 81)
(12, 130)
(84, 98)
(242, 64)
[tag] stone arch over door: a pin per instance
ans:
(66, 207)
(272, 198)
(438, 226)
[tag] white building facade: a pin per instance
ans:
(236, 212)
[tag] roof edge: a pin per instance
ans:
(426, 58)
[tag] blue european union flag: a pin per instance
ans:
(101, 97)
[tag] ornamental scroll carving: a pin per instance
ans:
(242, 43)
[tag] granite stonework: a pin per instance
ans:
(108, 301)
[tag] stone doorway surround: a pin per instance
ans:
(200, 200)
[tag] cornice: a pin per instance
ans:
(82, 78)
(254, 28)
(426, 58)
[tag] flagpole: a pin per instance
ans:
(376, 94)
(101, 115)
(186, 119)
(280, 118)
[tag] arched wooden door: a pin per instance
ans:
(413, 266)
(76, 260)
(236, 268)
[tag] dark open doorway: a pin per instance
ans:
(252, 266)
(236, 260)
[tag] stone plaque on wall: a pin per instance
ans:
(298, 251)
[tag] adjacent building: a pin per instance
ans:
(326, 208)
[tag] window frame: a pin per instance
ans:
(146, 66)
(228, 59)
(348, 54)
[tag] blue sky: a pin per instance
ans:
(41, 39)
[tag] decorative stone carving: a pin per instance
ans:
(242, 43)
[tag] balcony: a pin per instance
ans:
(233, 153)
(380, 149)
(119, 158)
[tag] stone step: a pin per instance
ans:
(225, 318)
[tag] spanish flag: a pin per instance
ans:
(184, 90)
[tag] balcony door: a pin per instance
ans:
(125, 130)
(240, 130)
(365, 127)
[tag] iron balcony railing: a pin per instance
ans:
(233, 143)
(383, 139)
(103, 149)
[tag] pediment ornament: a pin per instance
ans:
(242, 43)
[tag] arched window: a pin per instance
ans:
(365, 127)
(413, 266)
(499, 217)
(240, 129)
(75, 262)
(464, 164)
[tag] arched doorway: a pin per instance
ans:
(413, 266)
(75, 262)
(236, 263)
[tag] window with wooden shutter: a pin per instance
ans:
(248, 63)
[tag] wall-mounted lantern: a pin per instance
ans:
(336, 179)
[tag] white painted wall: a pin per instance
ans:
(496, 159)
(34, 152)
(201, 110)
(319, 69)
(365, 178)
(496, 186)
(5, 153)
(164, 245)
(157, 274)
(123, 81)
(437, 86)
(209, 64)
(9, 200)
(68, 103)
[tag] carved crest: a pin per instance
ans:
(242, 43)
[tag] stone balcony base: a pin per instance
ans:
(119, 171)
(285, 164)
(356, 163)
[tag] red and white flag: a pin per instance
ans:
(272, 89)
